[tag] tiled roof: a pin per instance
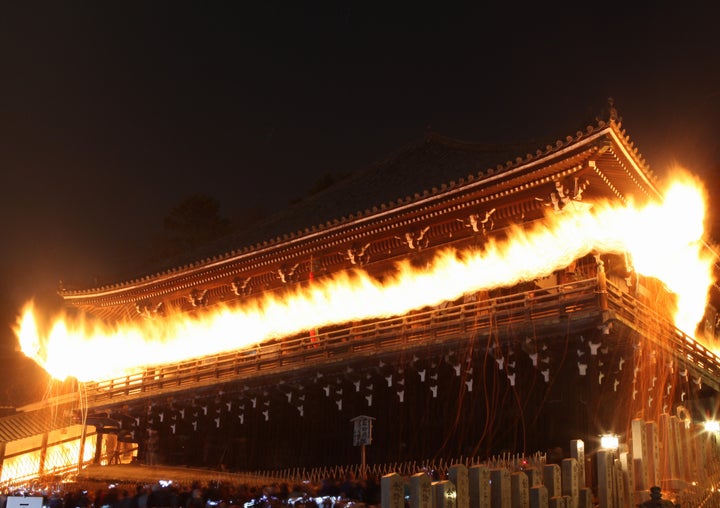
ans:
(424, 167)
(32, 423)
(410, 172)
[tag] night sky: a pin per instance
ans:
(111, 113)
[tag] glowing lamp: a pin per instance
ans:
(609, 441)
(712, 426)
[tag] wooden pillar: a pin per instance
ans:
(98, 448)
(602, 285)
(43, 454)
(2, 456)
(82, 448)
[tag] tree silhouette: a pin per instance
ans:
(195, 221)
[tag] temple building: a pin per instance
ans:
(520, 361)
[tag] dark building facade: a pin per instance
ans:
(573, 353)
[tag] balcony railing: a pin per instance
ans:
(537, 310)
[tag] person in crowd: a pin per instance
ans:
(196, 499)
(141, 497)
(656, 500)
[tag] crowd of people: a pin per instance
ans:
(329, 493)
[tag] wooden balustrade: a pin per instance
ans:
(417, 329)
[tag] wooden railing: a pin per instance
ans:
(651, 326)
(433, 327)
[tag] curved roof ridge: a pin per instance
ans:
(474, 145)
(433, 162)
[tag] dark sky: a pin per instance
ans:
(112, 112)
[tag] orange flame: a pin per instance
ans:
(663, 240)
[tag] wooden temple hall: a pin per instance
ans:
(580, 351)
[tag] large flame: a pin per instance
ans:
(664, 240)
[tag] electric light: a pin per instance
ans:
(712, 426)
(609, 441)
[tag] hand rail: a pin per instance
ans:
(335, 343)
(452, 321)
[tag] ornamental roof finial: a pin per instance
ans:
(610, 113)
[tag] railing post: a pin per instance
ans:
(602, 284)
(81, 452)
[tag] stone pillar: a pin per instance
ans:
(677, 452)
(577, 452)
(667, 468)
(479, 486)
(552, 479)
(705, 442)
(638, 472)
(557, 502)
(626, 463)
(678, 481)
(519, 490)
(458, 474)
(444, 494)
(392, 491)
(639, 454)
(619, 485)
(683, 455)
(500, 488)
(653, 459)
(570, 481)
(697, 472)
(539, 496)
(534, 476)
(605, 472)
(420, 491)
(586, 498)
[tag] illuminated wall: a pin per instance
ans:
(54, 451)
